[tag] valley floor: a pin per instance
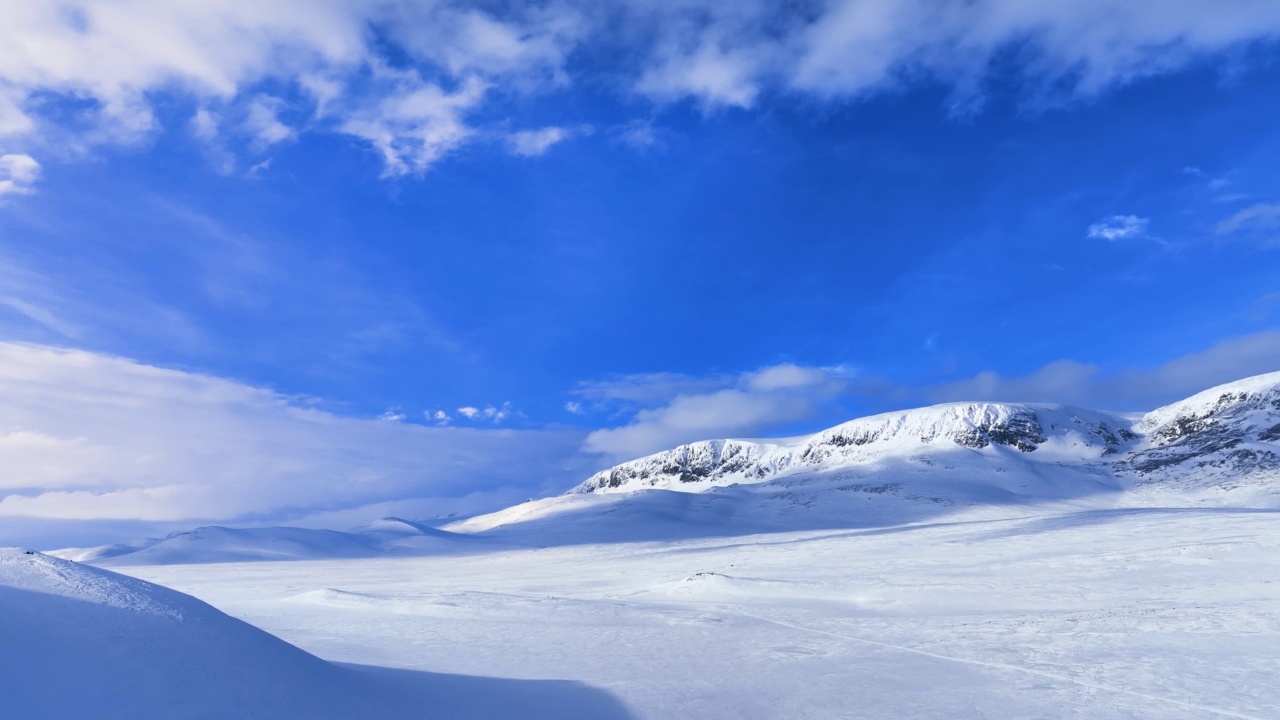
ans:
(1091, 614)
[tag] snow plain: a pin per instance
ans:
(1057, 611)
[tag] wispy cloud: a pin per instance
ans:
(1257, 217)
(488, 413)
(531, 143)
(683, 409)
(18, 174)
(1119, 227)
(263, 122)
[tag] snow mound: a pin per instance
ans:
(84, 642)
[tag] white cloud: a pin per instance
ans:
(489, 412)
(1119, 227)
(714, 76)
(1071, 382)
(85, 436)
(1260, 216)
(531, 143)
(787, 376)
(204, 124)
(649, 388)
(574, 408)
(640, 135)
(17, 174)
(263, 122)
(439, 417)
(116, 59)
(416, 125)
(41, 316)
(529, 45)
(770, 397)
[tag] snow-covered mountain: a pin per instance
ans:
(1221, 446)
(1221, 434)
(999, 432)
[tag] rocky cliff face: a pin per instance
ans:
(1233, 429)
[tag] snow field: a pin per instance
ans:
(1092, 613)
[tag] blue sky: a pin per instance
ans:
(576, 233)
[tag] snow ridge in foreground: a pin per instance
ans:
(83, 642)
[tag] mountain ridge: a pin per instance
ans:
(1218, 419)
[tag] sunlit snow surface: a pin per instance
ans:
(1049, 613)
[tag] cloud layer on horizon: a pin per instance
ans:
(1131, 390)
(85, 436)
(667, 409)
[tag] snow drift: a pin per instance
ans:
(83, 642)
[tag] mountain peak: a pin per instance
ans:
(953, 427)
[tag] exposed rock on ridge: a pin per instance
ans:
(1231, 429)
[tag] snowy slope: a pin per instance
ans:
(1225, 436)
(213, 544)
(80, 642)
